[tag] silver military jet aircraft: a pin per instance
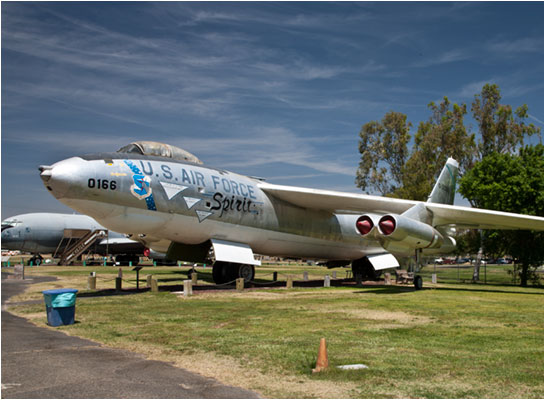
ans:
(41, 233)
(167, 199)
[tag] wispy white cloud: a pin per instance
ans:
(268, 146)
(74, 142)
(99, 67)
(535, 119)
(289, 177)
(265, 89)
(263, 146)
(447, 57)
(469, 90)
(516, 46)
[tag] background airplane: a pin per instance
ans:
(169, 200)
(44, 233)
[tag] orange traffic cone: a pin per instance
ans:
(322, 363)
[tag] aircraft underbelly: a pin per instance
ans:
(159, 229)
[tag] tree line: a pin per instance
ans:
(499, 172)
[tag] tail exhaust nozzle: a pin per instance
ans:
(387, 225)
(364, 225)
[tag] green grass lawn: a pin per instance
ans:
(449, 341)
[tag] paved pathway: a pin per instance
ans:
(44, 363)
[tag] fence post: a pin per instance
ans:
(240, 284)
(387, 277)
(275, 276)
(118, 281)
(188, 288)
(92, 281)
(289, 282)
(19, 270)
(154, 286)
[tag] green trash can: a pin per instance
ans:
(60, 306)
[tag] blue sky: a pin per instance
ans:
(277, 90)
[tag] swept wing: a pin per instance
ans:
(443, 214)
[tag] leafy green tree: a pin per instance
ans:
(501, 130)
(512, 183)
(389, 167)
(383, 148)
(467, 242)
(443, 135)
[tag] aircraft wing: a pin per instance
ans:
(443, 215)
(478, 218)
(329, 200)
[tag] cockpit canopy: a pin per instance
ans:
(10, 223)
(157, 149)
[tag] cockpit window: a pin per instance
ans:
(159, 150)
(10, 223)
(130, 148)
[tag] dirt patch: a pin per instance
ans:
(264, 295)
(392, 316)
(230, 371)
(396, 318)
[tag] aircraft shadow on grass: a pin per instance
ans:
(403, 289)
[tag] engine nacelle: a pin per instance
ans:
(448, 246)
(408, 233)
(366, 224)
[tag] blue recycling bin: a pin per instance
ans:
(60, 305)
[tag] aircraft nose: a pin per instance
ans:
(9, 241)
(45, 172)
(62, 176)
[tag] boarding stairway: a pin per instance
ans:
(84, 240)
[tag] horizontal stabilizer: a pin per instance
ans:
(478, 218)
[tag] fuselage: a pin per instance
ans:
(160, 201)
(43, 232)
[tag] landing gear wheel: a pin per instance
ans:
(364, 268)
(35, 260)
(247, 272)
(418, 282)
(221, 272)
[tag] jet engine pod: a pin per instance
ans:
(409, 232)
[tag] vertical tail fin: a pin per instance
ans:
(445, 187)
